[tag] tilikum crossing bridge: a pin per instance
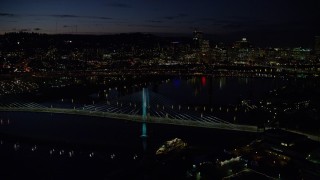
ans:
(144, 106)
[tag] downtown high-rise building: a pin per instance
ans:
(197, 39)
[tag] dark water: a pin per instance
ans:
(87, 130)
(217, 90)
(104, 137)
(206, 90)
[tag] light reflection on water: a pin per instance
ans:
(208, 90)
(222, 82)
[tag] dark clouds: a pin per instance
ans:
(76, 16)
(7, 15)
(176, 16)
(119, 5)
(155, 21)
(53, 15)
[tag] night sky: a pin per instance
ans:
(260, 20)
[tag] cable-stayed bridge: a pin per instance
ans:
(159, 109)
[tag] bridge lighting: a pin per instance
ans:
(34, 148)
(112, 156)
(16, 147)
(135, 157)
(70, 153)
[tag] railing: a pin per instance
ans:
(137, 118)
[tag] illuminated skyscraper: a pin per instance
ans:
(197, 35)
(243, 44)
(175, 50)
(197, 39)
(205, 46)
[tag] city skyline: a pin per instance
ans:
(159, 89)
(266, 22)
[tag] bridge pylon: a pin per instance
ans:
(145, 105)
